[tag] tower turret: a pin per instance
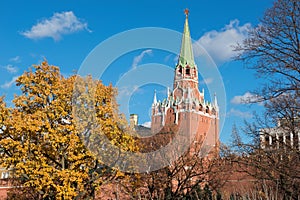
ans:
(216, 103)
(154, 99)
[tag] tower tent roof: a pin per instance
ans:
(186, 56)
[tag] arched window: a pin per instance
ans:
(180, 69)
(194, 106)
(207, 109)
(188, 71)
(200, 107)
(213, 111)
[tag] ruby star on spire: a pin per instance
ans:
(186, 12)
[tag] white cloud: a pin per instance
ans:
(147, 124)
(219, 44)
(207, 81)
(169, 57)
(140, 57)
(124, 91)
(11, 69)
(7, 85)
(16, 59)
(244, 99)
(56, 26)
(238, 113)
(127, 91)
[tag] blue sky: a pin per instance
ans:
(65, 32)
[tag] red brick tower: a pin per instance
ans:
(185, 108)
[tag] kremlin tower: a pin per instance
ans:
(185, 108)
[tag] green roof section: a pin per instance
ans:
(186, 56)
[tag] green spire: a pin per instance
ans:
(186, 56)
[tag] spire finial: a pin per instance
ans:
(186, 12)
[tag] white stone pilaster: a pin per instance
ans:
(277, 140)
(262, 141)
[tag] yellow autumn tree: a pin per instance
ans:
(48, 132)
